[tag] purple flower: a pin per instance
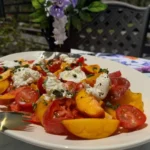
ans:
(74, 3)
(62, 3)
(56, 11)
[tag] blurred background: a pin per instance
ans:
(19, 33)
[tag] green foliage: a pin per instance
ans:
(82, 13)
(76, 22)
(11, 40)
(97, 6)
(39, 16)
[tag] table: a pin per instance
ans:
(8, 143)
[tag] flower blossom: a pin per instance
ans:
(59, 30)
(57, 10)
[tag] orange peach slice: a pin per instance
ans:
(41, 107)
(91, 69)
(5, 75)
(3, 86)
(88, 105)
(91, 128)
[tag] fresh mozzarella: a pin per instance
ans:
(37, 62)
(76, 75)
(24, 76)
(67, 59)
(9, 64)
(101, 87)
(46, 97)
(55, 88)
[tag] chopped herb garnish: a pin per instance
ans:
(69, 93)
(16, 67)
(68, 68)
(74, 75)
(26, 66)
(1, 77)
(108, 104)
(57, 93)
(5, 68)
(20, 62)
(80, 63)
(103, 70)
(37, 64)
(45, 102)
(90, 75)
(34, 105)
(94, 68)
(50, 62)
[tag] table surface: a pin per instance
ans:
(8, 143)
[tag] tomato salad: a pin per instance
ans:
(69, 97)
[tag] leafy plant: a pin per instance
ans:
(11, 40)
(77, 13)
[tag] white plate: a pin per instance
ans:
(139, 83)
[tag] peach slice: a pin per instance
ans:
(3, 86)
(5, 75)
(40, 108)
(92, 69)
(91, 128)
(88, 104)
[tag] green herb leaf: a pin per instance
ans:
(85, 16)
(45, 102)
(26, 66)
(68, 68)
(97, 6)
(34, 106)
(57, 93)
(76, 22)
(90, 75)
(103, 70)
(108, 104)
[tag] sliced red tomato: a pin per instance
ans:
(54, 65)
(115, 74)
(119, 87)
(26, 97)
(40, 84)
(14, 107)
(58, 110)
(16, 91)
(80, 60)
(42, 72)
(130, 117)
(73, 87)
(33, 119)
(2, 70)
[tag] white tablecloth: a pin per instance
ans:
(8, 143)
